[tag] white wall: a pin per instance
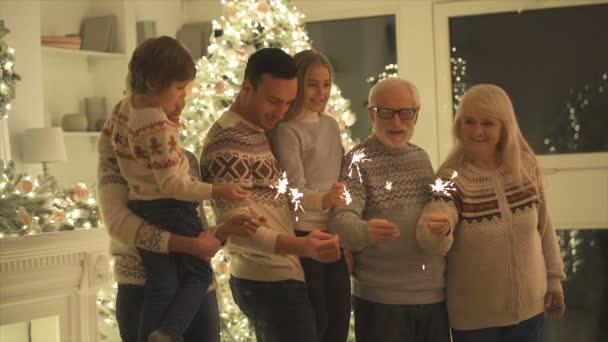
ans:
(22, 18)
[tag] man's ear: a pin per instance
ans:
(246, 87)
(372, 117)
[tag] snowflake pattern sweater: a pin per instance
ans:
(238, 151)
(502, 254)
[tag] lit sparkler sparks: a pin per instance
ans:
(358, 157)
(347, 198)
(444, 187)
(282, 185)
(388, 185)
(295, 195)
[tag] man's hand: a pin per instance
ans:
(555, 304)
(438, 224)
(242, 225)
(205, 246)
(321, 246)
(335, 196)
(229, 192)
(381, 231)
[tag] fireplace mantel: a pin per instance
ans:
(55, 274)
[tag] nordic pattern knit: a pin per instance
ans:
(238, 151)
(502, 254)
(146, 145)
(396, 272)
(127, 231)
(311, 154)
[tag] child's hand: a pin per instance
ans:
(335, 196)
(229, 192)
(243, 225)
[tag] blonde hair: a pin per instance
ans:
(493, 101)
(305, 60)
(391, 82)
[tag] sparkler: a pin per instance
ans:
(358, 157)
(388, 185)
(444, 187)
(295, 195)
(347, 198)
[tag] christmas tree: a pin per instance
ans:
(7, 77)
(245, 27)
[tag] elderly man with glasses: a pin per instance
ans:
(398, 291)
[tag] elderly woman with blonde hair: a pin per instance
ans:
(504, 267)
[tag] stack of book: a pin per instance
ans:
(64, 42)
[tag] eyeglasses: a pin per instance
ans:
(389, 113)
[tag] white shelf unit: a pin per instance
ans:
(48, 50)
(71, 75)
(82, 134)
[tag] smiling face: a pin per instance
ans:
(317, 88)
(395, 132)
(267, 104)
(480, 135)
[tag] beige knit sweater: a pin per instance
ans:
(128, 231)
(502, 254)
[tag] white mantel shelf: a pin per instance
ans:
(55, 274)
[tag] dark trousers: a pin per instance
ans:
(205, 326)
(280, 311)
(530, 330)
(175, 283)
(329, 292)
(397, 323)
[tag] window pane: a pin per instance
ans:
(358, 49)
(585, 254)
(552, 62)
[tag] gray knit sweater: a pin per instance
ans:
(311, 154)
(397, 272)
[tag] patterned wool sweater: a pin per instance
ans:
(396, 272)
(238, 151)
(146, 145)
(128, 231)
(502, 255)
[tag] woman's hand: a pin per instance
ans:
(555, 304)
(229, 192)
(438, 224)
(242, 225)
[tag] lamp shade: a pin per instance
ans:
(43, 145)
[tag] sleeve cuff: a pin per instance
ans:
(164, 242)
(554, 284)
(265, 239)
(312, 200)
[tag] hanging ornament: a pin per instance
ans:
(262, 7)
(220, 88)
(24, 186)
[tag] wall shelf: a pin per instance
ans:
(82, 134)
(81, 53)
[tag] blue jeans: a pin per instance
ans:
(397, 323)
(205, 326)
(175, 283)
(279, 310)
(530, 330)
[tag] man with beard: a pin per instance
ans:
(398, 291)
